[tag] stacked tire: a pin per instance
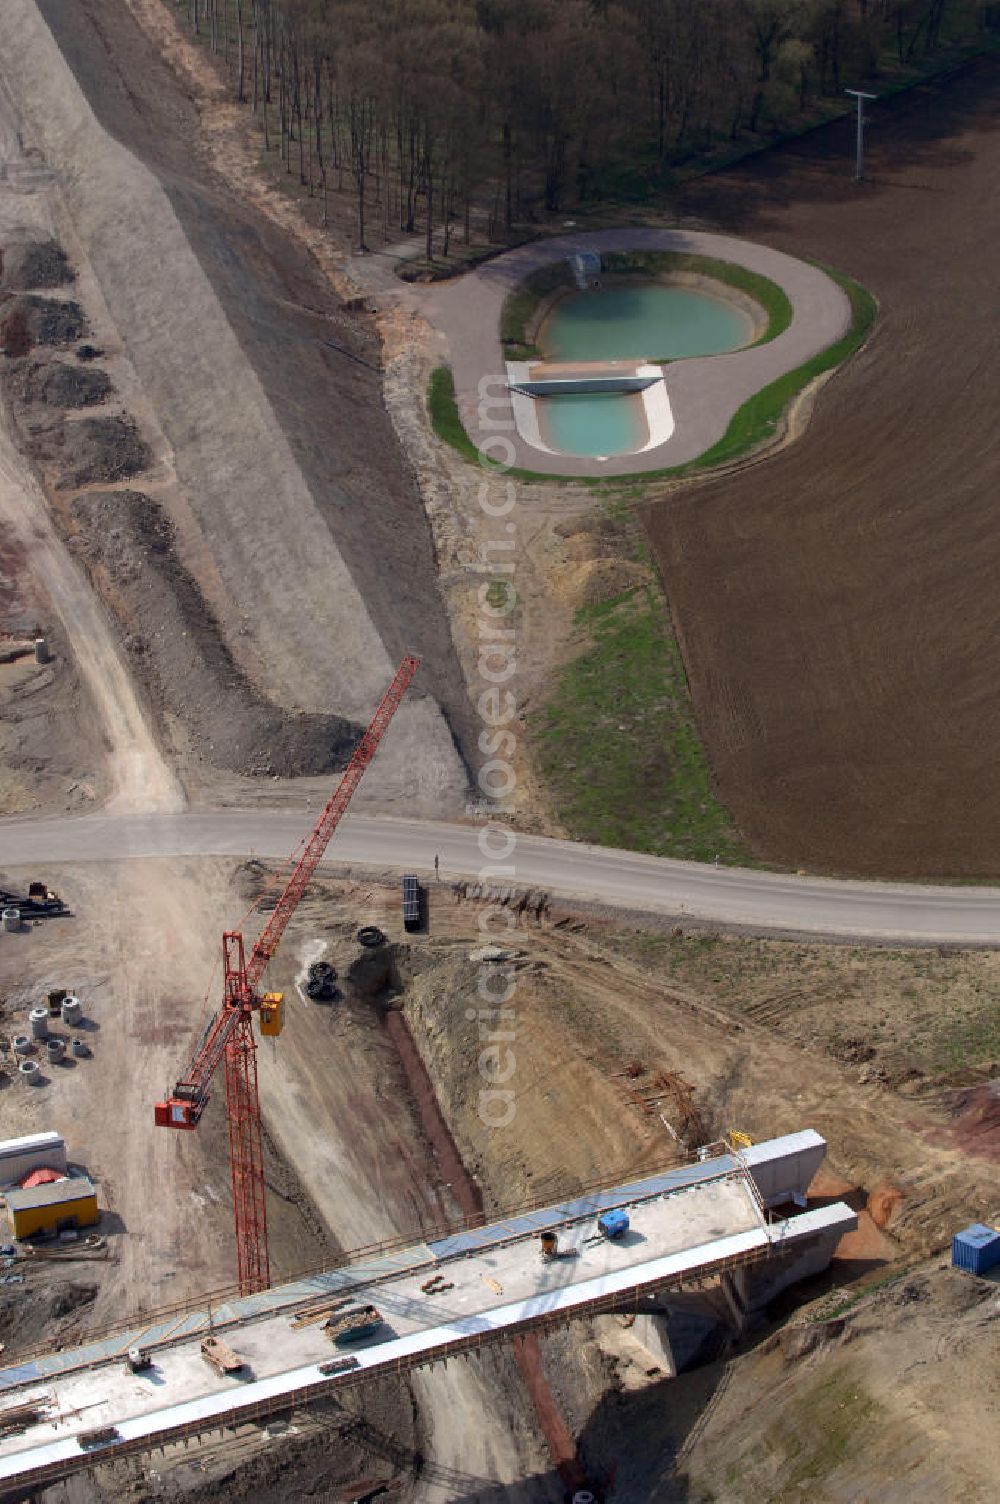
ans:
(321, 984)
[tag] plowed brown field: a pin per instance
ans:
(838, 605)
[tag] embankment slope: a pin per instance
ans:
(294, 508)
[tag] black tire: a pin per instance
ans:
(370, 935)
(322, 971)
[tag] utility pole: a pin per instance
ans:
(859, 155)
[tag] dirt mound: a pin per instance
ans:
(66, 1299)
(976, 1125)
(375, 971)
(103, 449)
(36, 263)
(55, 384)
(39, 321)
(590, 582)
(884, 1201)
(43, 1311)
(127, 544)
(91, 451)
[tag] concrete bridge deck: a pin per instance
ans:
(687, 1224)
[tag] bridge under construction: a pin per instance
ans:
(692, 1225)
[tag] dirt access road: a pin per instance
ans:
(140, 777)
(836, 602)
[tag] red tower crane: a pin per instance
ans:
(230, 1033)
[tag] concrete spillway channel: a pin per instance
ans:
(709, 1220)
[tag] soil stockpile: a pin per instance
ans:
(836, 604)
(55, 383)
(50, 1306)
(127, 544)
(89, 452)
(28, 320)
(36, 263)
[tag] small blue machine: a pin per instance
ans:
(613, 1224)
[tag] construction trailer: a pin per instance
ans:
(412, 903)
(37, 1151)
(56, 1206)
(976, 1248)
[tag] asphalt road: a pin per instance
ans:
(759, 901)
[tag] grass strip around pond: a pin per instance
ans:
(447, 424)
(521, 306)
(444, 415)
(758, 418)
(617, 745)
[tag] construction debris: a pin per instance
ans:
(40, 902)
(354, 1325)
(20, 1417)
(220, 1357)
(319, 1313)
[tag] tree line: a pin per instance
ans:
(421, 108)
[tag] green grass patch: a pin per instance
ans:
(758, 418)
(617, 744)
(447, 423)
(826, 1426)
(848, 1303)
(443, 410)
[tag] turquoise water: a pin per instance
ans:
(593, 423)
(642, 319)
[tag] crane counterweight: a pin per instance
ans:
(230, 1033)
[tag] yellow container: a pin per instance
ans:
(272, 1014)
(52, 1207)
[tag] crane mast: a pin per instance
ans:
(230, 1033)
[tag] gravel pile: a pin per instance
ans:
(42, 321)
(102, 449)
(36, 263)
(55, 384)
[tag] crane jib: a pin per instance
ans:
(270, 936)
(230, 1033)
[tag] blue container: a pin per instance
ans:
(976, 1249)
(613, 1224)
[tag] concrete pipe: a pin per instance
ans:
(38, 1018)
(81, 1049)
(22, 1044)
(42, 654)
(12, 920)
(29, 1073)
(55, 1049)
(72, 1010)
